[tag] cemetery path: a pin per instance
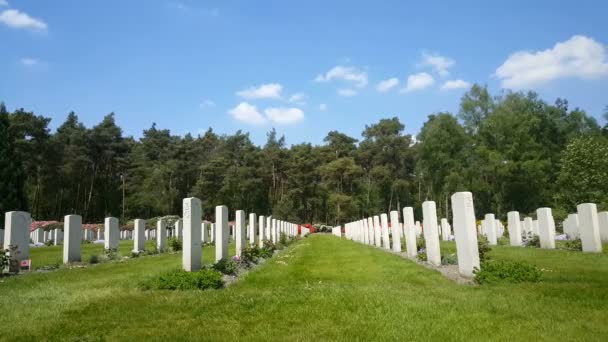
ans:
(321, 288)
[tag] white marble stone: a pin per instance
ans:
(465, 233)
(514, 226)
(204, 232)
(535, 227)
(39, 234)
(111, 227)
(178, 231)
(161, 235)
(528, 223)
(139, 241)
(602, 220)
(221, 232)
(431, 236)
(275, 231)
(377, 231)
(240, 232)
(72, 227)
(589, 227)
(252, 228)
(17, 233)
(58, 236)
(386, 244)
(546, 228)
(191, 230)
(445, 230)
(337, 231)
(571, 226)
(261, 231)
(409, 228)
(490, 227)
(396, 231)
(418, 228)
(268, 228)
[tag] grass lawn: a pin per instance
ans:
(321, 288)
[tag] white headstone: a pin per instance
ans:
(431, 236)
(262, 228)
(445, 229)
(240, 232)
(16, 233)
(204, 232)
(179, 229)
(465, 233)
(221, 232)
(212, 233)
(139, 241)
(72, 227)
(514, 226)
(161, 235)
(377, 231)
(191, 230)
(111, 227)
(385, 236)
(589, 227)
(602, 220)
(396, 231)
(490, 226)
(410, 232)
(58, 236)
(252, 228)
(546, 228)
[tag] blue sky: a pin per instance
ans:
(303, 67)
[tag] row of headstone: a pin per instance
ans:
(194, 232)
(376, 231)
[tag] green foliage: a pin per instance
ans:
(174, 244)
(49, 243)
(110, 254)
(283, 239)
(93, 259)
(450, 259)
(250, 255)
(507, 271)
(574, 245)
(534, 241)
(420, 243)
(484, 248)
(226, 266)
(422, 256)
(182, 280)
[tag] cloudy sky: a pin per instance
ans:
(303, 67)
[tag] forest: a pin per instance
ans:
(513, 151)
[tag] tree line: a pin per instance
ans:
(514, 151)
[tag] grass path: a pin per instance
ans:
(321, 288)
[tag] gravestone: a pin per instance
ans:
(221, 232)
(571, 226)
(161, 235)
(179, 227)
(262, 228)
(212, 233)
(336, 231)
(377, 231)
(39, 235)
(252, 228)
(490, 227)
(535, 227)
(465, 233)
(267, 234)
(111, 229)
(546, 228)
(409, 228)
(139, 241)
(396, 231)
(445, 230)
(204, 232)
(589, 227)
(431, 236)
(16, 233)
(72, 228)
(58, 236)
(240, 232)
(514, 227)
(418, 229)
(385, 235)
(528, 222)
(191, 234)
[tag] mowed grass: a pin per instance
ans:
(321, 288)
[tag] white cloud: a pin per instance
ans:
(441, 64)
(3, 3)
(29, 61)
(270, 90)
(297, 98)
(455, 84)
(247, 113)
(418, 81)
(347, 92)
(15, 19)
(284, 115)
(323, 107)
(207, 103)
(577, 57)
(344, 73)
(387, 85)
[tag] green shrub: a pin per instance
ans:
(283, 239)
(93, 259)
(450, 259)
(574, 245)
(49, 243)
(266, 252)
(182, 280)
(507, 271)
(250, 255)
(420, 244)
(422, 256)
(110, 254)
(269, 245)
(534, 241)
(226, 266)
(174, 244)
(484, 248)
